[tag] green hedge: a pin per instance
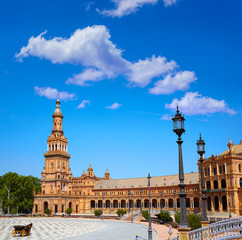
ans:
(121, 212)
(193, 220)
(145, 214)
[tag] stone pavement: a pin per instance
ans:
(74, 229)
(162, 230)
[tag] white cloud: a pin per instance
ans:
(142, 72)
(99, 58)
(168, 3)
(166, 117)
(126, 7)
(84, 78)
(194, 103)
(114, 106)
(52, 93)
(180, 82)
(83, 104)
(89, 47)
(89, 6)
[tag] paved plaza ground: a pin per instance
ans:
(75, 229)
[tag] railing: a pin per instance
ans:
(137, 217)
(226, 229)
(226, 220)
(175, 238)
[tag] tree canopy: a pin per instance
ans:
(17, 192)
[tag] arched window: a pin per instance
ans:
(196, 202)
(188, 202)
(223, 183)
(220, 169)
(170, 203)
(239, 168)
(216, 203)
(240, 182)
(215, 184)
(215, 171)
(100, 202)
(223, 169)
(115, 203)
(208, 185)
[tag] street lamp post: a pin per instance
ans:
(149, 228)
(201, 151)
(102, 206)
(161, 200)
(178, 128)
(174, 201)
(141, 200)
(129, 199)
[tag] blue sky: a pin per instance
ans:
(121, 67)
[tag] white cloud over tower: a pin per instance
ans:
(99, 58)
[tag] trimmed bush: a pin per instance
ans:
(121, 212)
(178, 217)
(194, 221)
(48, 211)
(145, 214)
(164, 216)
(69, 211)
(98, 213)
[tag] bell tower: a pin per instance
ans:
(56, 175)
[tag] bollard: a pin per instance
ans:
(170, 233)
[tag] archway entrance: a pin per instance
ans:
(178, 202)
(123, 204)
(100, 203)
(107, 203)
(146, 203)
(170, 203)
(115, 203)
(224, 203)
(92, 204)
(154, 203)
(196, 202)
(138, 203)
(188, 205)
(209, 203)
(45, 205)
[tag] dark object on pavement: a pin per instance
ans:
(23, 230)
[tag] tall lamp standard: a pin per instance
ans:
(161, 200)
(178, 128)
(201, 151)
(129, 199)
(174, 201)
(149, 228)
(141, 200)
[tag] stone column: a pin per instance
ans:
(212, 204)
(220, 204)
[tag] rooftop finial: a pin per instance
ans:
(200, 136)
(177, 108)
(58, 95)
